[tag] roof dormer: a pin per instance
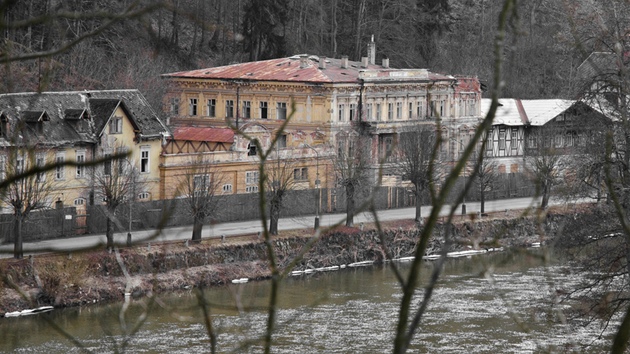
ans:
(75, 114)
(35, 116)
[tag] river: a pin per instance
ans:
(353, 310)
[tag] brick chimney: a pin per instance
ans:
(386, 63)
(364, 62)
(322, 62)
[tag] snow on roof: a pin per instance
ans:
(515, 112)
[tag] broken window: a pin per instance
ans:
(281, 110)
(192, 106)
(263, 110)
(212, 107)
(251, 149)
(175, 106)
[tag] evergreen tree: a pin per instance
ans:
(434, 17)
(264, 29)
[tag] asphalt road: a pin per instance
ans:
(250, 227)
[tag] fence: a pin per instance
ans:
(41, 225)
(238, 207)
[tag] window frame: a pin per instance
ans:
(229, 108)
(502, 139)
(80, 159)
(263, 108)
(300, 174)
(145, 159)
(281, 110)
(247, 109)
(282, 141)
(514, 140)
(211, 107)
(115, 125)
(40, 161)
(60, 170)
(193, 106)
(201, 181)
(107, 164)
(251, 181)
(174, 105)
(143, 196)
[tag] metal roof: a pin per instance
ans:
(306, 68)
(220, 135)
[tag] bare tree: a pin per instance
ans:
(29, 190)
(115, 181)
(199, 187)
(485, 178)
(416, 152)
(280, 179)
(542, 162)
(352, 167)
(606, 86)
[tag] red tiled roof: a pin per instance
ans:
(220, 135)
(289, 69)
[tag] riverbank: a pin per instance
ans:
(90, 277)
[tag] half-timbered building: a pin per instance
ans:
(521, 126)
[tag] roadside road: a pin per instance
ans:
(252, 227)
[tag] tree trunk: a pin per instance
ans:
(418, 218)
(350, 205)
(17, 236)
(274, 218)
(545, 196)
(482, 198)
(197, 228)
(109, 233)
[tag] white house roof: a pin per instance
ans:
(515, 112)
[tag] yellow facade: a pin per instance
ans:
(80, 127)
(325, 100)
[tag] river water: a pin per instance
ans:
(353, 310)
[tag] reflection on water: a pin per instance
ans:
(348, 311)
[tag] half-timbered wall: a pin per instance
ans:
(505, 141)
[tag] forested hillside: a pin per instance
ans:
(102, 44)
